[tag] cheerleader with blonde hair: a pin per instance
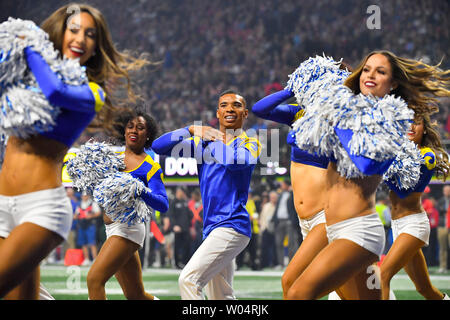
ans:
(361, 126)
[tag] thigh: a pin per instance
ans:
(417, 270)
(400, 253)
(21, 256)
(365, 285)
(217, 251)
(313, 243)
(220, 287)
(115, 252)
(129, 276)
(333, 266)
(81, 237)
(28, 289)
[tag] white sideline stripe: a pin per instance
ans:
(150, 271)
(114, 291)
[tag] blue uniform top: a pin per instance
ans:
(224, 173)
(78, 104)
(150, 173)
(426, 173)
(271, 108)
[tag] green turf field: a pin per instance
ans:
(69, 283)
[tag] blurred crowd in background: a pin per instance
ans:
(205, 47)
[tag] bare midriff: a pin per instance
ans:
(31, 165)
(309, 188)
(349, 198)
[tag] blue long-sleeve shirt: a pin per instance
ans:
(78, 104)
(150, 173)
(272, 108)
(224, 173)
(426, 173)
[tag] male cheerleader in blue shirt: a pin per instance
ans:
(225, 161)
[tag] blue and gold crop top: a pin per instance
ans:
(426, 173)
(271, 108)
(78, 104)
(150, 173)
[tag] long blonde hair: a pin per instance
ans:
(108, 67)
(418, 83)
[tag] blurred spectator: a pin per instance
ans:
(196, 207)
(431, 251)
(86, 214)
(267, 229)
(167, 249)
(448, 227)
(70, 243)
(384, 212)
(286, 224)
(157, 250)
(249, 254)
(180, 220)
(443, 206)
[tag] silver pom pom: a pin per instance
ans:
(25, 110)
(119, 195)
(3, 140)
(379, 125)
(404, 172)
(17, 103)
(313, 75)
(94, 162)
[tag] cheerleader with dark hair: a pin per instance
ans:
(119, 254)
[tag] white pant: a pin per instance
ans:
(44, 294)
(50, 209)
(366, 231)
(134, 233)
(306, 225)
(212, 266)
(416, 225)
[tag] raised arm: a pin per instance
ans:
(83, 98)
(364, 164)
(271, 107)
(180, 138)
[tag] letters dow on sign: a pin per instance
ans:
(180, 166)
